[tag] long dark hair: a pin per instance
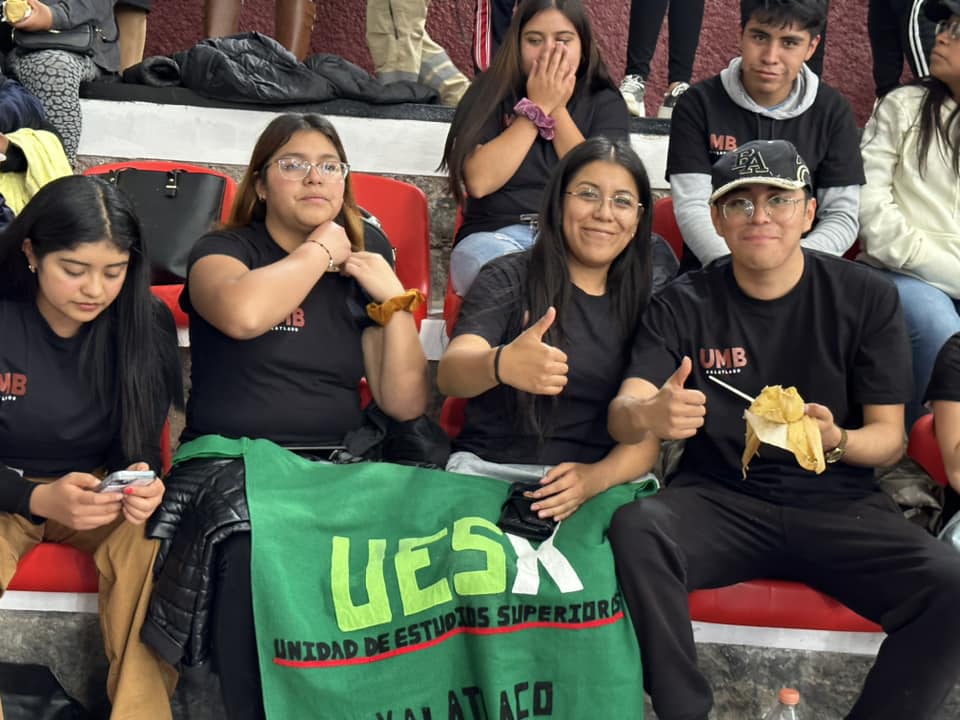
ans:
(933, 127)
(629, 278)
(248, 207)
(129, 353)
(505, 79)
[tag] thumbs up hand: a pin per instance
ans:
(529, 364)
(675, 412)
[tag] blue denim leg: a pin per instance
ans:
(477, 249)
(932, 317)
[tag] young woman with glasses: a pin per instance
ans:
(279, 342)
(910, 206)
(544, 336)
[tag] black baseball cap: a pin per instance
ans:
(760, 162)
(937, 10)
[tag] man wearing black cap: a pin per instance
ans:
(774, 313)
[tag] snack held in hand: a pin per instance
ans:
(16, 10)
(776, 418)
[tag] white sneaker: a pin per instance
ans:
(670, 100)
(633, 88)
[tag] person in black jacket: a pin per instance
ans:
(88, 371)
(280, 341)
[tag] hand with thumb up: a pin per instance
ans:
(529, 364)
(676, 412)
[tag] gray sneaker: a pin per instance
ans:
(633, 88)
(670, 100)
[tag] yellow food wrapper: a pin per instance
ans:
(776, 418)
(16, 10)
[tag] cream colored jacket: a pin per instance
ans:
(909, 224)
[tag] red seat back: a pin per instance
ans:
(404, 215)
(665, 225)
(170, 294)
(451, 415)
(452, 301)
(924, 449)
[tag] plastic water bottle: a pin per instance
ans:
(786, 707)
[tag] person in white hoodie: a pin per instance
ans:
(910, 206)
(768, 93)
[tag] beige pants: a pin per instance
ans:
(402, 50)
(139, 683)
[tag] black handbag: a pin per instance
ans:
(31, 692)
(79, 40)
(176, 208)
(517, 518)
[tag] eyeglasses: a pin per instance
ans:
(950, 27)
(293, 168)
(779, 208)
(621, 203)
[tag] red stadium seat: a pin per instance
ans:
(665, 225)
(51, 567)
(924, 449)
(452, 301)
(776, 604)
(404, 215)
(170, 294)
(451, 416)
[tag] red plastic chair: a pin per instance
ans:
(924, 449)
(451, 416)
(452, 301)
(170, 294)
(665, 225)
(51, 567)
(404, 215)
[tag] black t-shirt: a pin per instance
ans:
(297, 383)
(838, 337)
(603, 113)
(945, 379)
(596, 352)
(707, 124)
(51, 421)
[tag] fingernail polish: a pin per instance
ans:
(128, 491)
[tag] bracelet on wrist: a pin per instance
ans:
(331, 265)
(546, 125)
(496, 364)
(381, 313)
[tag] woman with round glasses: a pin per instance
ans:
(910, 206)
(280, 338)
(544, 336)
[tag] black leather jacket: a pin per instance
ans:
(205, 502)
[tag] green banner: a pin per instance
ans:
(387, 592)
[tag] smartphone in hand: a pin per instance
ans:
(117, 481)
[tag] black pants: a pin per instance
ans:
(861, 552)
(646, 17)
(234, 637)
(898, 28)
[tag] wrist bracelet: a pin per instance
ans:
(381, 313)
(546, 125)
(331, 265)
(496, 364)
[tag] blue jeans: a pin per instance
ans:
(477, 249)
(932, 317)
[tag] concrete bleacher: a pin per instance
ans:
(745, 664)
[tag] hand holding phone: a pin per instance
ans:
(117, 481)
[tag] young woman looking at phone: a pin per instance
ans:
(88, 371)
